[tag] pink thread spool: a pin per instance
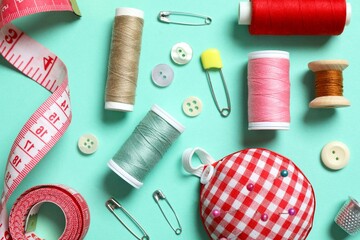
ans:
(269, 90)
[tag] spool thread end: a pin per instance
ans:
(269, 126)
(168, 118)
(124, 175)
(125, 11)
(245, 13)
(329, 102)
(122, 107)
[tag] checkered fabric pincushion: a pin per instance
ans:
(229, 210)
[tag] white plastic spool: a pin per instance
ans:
(268, 125)
(117, 106)
(126, 176)
(245, 13)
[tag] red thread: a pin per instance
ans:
(298, 17)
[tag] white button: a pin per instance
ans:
(192, 106)
(88, 144)
(335, 155)
(181, 53)
(162, 75)
(207, 174)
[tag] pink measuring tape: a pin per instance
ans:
(51, 119)
(72, 204)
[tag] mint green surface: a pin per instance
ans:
(83, 44)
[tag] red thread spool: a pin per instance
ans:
(295, 17)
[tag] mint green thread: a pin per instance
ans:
(146, 146)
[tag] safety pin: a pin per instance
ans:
(159, 195)
(164, 16)
(112, 204)
(211, 59)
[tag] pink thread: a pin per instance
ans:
(269, 93)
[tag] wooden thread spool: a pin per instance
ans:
(329, 84)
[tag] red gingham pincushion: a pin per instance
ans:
(255, 194)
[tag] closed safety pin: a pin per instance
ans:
(164, 16)
(112, 204)
(159, 195)
(210, 60)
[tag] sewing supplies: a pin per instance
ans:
(181, 53)
(158, 195)
(242, 197)
(49, 122)
(164, 16)
(329, 83)
(269, 90)
(146, 146)
(348, 217)
(113, 205)
(192, 106)
(211, 60)
(162, 75)
(88, 144)
(335, 155)
(124, 59)
(295, 17)
(23, 215)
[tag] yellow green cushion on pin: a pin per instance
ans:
(211, 59)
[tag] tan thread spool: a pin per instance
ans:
(124, 59)
(329, 83)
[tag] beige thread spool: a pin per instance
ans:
(124, 59)
(334, 98)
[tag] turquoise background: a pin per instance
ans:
(83, 44)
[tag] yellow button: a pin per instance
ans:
(335, 155)
(211, 59)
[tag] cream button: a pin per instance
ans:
(88, 144)
(192, 106)
(181, 53)
(162, 75)
(335, 155)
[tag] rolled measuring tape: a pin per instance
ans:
(52, 118)
(23, 215)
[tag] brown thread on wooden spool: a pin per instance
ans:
(124, 59)
(329, 84)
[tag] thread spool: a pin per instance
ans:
(295, 17)
(145, 147)
(269, 90)
(329, 83)
(124, 59)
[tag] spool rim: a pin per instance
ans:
(122, 107)
(348, 14)
(269, 126)
(323, 65)
(168, 118)
(126, 11)
(124, 175)
(245, 13)
(269, 54)
(329, 102)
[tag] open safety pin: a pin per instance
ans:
(112, 204)
(159, 195)
(164, 16)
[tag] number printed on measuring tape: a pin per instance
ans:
(50, 121)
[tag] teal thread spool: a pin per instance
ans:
(146, 146)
